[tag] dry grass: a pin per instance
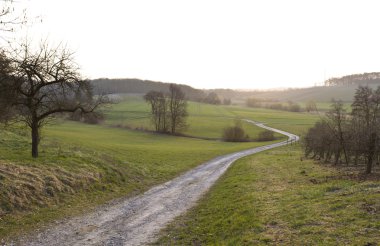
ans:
(26, 187)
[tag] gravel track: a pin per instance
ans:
(136, 221)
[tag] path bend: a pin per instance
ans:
(136, 221)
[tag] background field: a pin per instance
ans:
(208, 121)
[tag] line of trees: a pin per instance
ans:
(271, 104)
(344, 137)
(213, 98)
(168, 110)
(115, 86)
(354, 79)
(37, 84)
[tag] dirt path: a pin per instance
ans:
(135, 221)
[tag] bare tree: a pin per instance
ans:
(366, 113)
(356, 135)
(319, 141)
(6, 95)
(338, 122)
(311, 106)
(46, 82)
(168, 110)
(159, 110)
(212, 98)
(178, 108)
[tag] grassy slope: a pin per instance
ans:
(82, 165)
(318, 94)
(275, 198)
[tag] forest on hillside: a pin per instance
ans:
(342, 88)
(355, 79)
(115, 86)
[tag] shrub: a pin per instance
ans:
(235, 133)
(277, 106)
(93, 118)
(266, 136)
(89, 118)
(227, 101)
(294, 107)
(253, 102)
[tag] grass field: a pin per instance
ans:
(207, 120)
(81, 166)
(275, 198)
(204, 121)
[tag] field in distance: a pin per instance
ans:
(208, 121)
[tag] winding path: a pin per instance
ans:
(135, 221)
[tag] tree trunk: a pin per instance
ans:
(372, 146)
(369, 165)
(173, 126)
(337, 157)
(356, 158)
(345, 155)
(35, 140)
(327, 157)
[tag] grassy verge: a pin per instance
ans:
(276, 198)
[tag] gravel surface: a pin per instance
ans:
(136, 221)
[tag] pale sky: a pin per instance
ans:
(215, 44)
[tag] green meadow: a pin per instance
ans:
(208, 121)
(81, 166)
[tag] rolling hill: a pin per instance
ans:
(336, 88)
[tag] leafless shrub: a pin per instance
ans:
(266, 136)
(235, 133)
(355, 136)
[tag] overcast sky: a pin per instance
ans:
(209, 44)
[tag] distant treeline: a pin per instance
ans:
(116, 86)
(273, 104)
(224, 96)
(355, 79)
